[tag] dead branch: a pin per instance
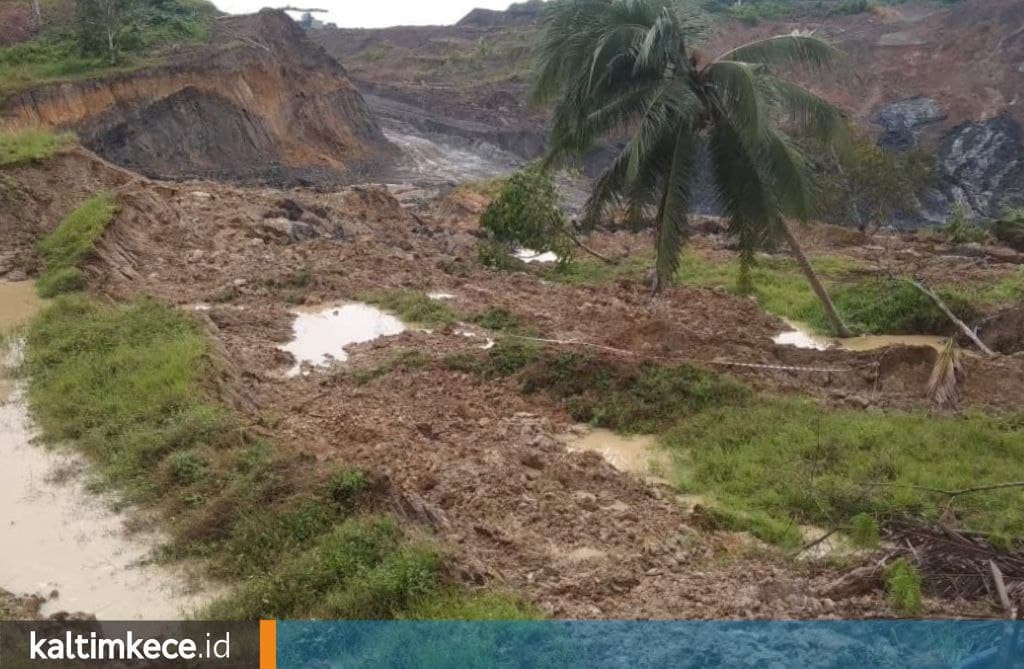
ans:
(1004, 597)
(950, 493)
(949, 314)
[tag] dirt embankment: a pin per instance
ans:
(262, 104)
(475, 461)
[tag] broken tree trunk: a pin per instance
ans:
(931, 294)
(815, 281)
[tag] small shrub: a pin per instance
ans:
(903, 588)
(500, 320)
(628, 397)
(525, 214)
(187, 467)
(959, 229)
(1009, 229)
(61, 280)
(864, 531)
(509, 356)
(345, 487)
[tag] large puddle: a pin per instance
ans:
(320, 335)
(59, 540)
(803, 336)
(635, 454)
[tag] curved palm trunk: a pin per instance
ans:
(812, 278)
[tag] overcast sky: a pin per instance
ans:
(373, 13)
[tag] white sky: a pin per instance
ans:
(373, 13)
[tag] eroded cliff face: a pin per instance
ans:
(262, 104)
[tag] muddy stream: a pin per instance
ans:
(61, 541)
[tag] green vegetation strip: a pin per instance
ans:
(130, 386)
(31, 145)
(780, 462)
(71, 243)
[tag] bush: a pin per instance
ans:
(1009, 229)
(525, 214)
(959, 230)
(903, 587)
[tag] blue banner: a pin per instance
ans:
(638, 645)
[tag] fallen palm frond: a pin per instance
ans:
(946, 382)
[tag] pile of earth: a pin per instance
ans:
(259, 104)
(469, 459)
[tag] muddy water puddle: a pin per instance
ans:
(802, 335)
(60, 540)
(634, 454)
(59, 537)
(320, 334)
(18, 302)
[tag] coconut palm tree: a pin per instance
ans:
(616, 66)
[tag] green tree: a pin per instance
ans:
(525, 214)
(866, 186)
(629, 66)
(99, 24)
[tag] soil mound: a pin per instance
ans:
(264, 105)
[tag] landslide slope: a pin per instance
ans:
(258, 104)
(946, 77)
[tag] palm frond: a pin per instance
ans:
(738, 95)
(799, 50)
(807, 113)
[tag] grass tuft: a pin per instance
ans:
(629, 397)
(903, 588)
(411, 306)
(31, 146)
(72, 241)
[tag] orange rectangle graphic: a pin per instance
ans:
(268, 644)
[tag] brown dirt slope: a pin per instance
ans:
(474, 461)
(260, 104)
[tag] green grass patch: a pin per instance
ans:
(411, 306)
(990, 294)
(798, 462)
(779, 286)
(625, 396)
(890, 306)
(72, 241)
(32, 145)
(882, 306)
(584, 270)
(129, 386)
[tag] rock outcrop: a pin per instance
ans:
(261, 105)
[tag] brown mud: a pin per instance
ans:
(474, 460)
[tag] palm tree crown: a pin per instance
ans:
(627, 65)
